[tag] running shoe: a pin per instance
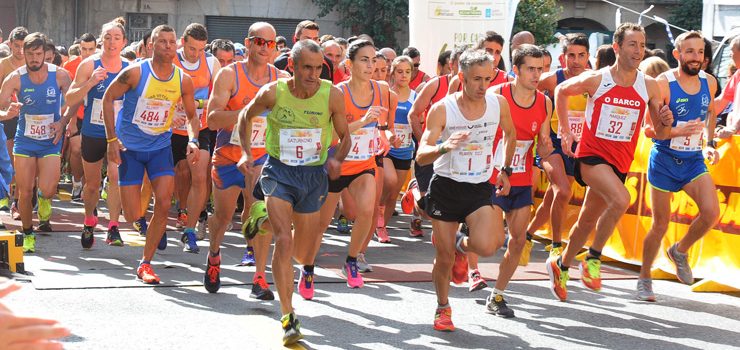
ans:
(87, 238)
(189, 242)
(261, 290)
(460, 267)
(591, 273)
(415, 228)
(681, 261)
(182, 218)
(496, 305)
(343, 226)
(212, 278)
(305, 285)
(362, 264)
(526, 253)
(44, 209)
(140, 226)
(292, 329)
(202, 229)
(163, 242)
(14, 213)
(45, 226)
(257, 216)
(476, 281)
(29, 243)
(354, 278)
(146, 274)
(104, 189)
(443, 320)
(558, 279)
(4, 204)
(381, 233)
(407, 200)
(556, 251)
(76, 192)
(645, 289)
(248, 258)
(113, 238)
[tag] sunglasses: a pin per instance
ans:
(262, 42)
(416, 65)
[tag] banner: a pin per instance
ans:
(437, 25)
(714, 257)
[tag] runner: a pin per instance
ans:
(530, 110)
(223, 50)
(493, 44)
(558, 166)
(619, 96)
(678, 163)
(94, 75)
(460, 192)
(191, 184)
(38, 139)
(151, 90)
(389, 55)
(366, 103)
(306, 30)
(334, 52)
(303, 111)
(235, 85)
(417, 75)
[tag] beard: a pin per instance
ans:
(34, 68)
(688, 70)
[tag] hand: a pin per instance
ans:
(395, 141)
(56, 131)
(26, 332)
(192, 153)
(71, 128)
(373, 113)
(666, 116)
(98, 75)
(725, 132)
(566, 142)
(179, 120)
(544, 147)
(711, 154)
(114, 151)
(502, 185)
(246, 164)
(333, 168)
(384, 146)
(13, 110)
(456, 140)
(689, 128)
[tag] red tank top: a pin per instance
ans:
(614, 116)
(527, 121)
(442, 87)
(361, 156)
(228, 149)
(413, 84)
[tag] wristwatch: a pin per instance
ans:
(712, 143)
(507, 170)
(195, 141)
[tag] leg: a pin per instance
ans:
(593, 207)
(196, 199)
(163, 187)
(517, 220)
(661, 207)
(48, 179)
(704, 193)
(182, 184)
(25, 171)
(91, 189)
(281, 212)
(542, 214)
(486, 232)
(308, 245)
(224, 201)
(561, 188)
(75, 157)
(146, 197)
(364, 189)
(114, 193)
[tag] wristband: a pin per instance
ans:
(383, 127)
(112, 139)
(441, 150)
(712, 143)
(200, 104)
(195, 141)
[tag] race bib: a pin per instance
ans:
(151, 115)
(96, 115)
(617, 123)
(403, 133)
(472, 159)
(363, 144)
(180, 113)
(38, 126)
(575, 124)
(518, 161)
(691, 143)
(300, 146)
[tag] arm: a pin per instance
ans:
(583, 83)
(336, 108)
(544, 143)
(218, 117)
(124, 82)
(9, 110)
(416, 113)
(188, 103)
(264, 100)
(57, 129)
(454, 85)
(659, 116)
(710, 152)
(507, 125)
(85, 79)
(429, 151)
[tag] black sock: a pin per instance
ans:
(203, 216)
(529, 236)
(557, 244)
(308, 268)
(593, 253)
(351, 259)
(216, 253)
(562, 266)
(28, 231)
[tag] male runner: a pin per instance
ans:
(223, 50)
(493, 44)
(303, 111)
(151, 90)
(417, 75)
(467, 121)
(38, 139)
(306, 30)
(619, 96)
(678, 163)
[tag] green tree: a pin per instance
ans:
(381, 19)
(687, 15)
(540, 17)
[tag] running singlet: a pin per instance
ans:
(228, 146)
(527, 121)
(614, 116)
(413, 84)
(144, 122)
(442, 87)
(42, 105)
(361, 156)
(299, 131)
(71, 67)
(92, 123)
(686, 108)
(499, 77)
(473, 161)
(576, 110)
(402, 129)
(201, 75)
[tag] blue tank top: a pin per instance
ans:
(92, 125)
(145, 121)
(42, 105)
(403, 129)
(685, 108)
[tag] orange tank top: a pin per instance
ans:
(361, 156)
(201, 77)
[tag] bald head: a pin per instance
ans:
(261, 27)
(523, 37)
(388, 53)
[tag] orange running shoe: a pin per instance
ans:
(591, 273)
(407, 200)
(146, 274)
(558, 278)
(443, 320)
(460, 268)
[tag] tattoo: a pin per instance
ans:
(123, 77)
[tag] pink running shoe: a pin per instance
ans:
(305, 285)
(382, 234)
(352, 272)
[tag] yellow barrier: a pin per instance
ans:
(714, 258)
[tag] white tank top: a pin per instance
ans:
(473, 161)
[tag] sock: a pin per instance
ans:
(498, 292)
(308, 268)
(593, 253)
(440, 307)
(351, 259)
(216, 253)
(149, 262)
(28, 231)
(203, 216)
(91, 221)
(562, 266)
(189, 229)
(529, 236)
(112, 224)
(557, 244)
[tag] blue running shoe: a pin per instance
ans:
(141, 226)
(248, 258)
(163, 242)
(189, 241)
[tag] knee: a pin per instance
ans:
(516, 243)
(659, 225)
(710, 214)
(283, 243)
(444, 258)
(365, 210)
(561, 195)
(620, 201)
